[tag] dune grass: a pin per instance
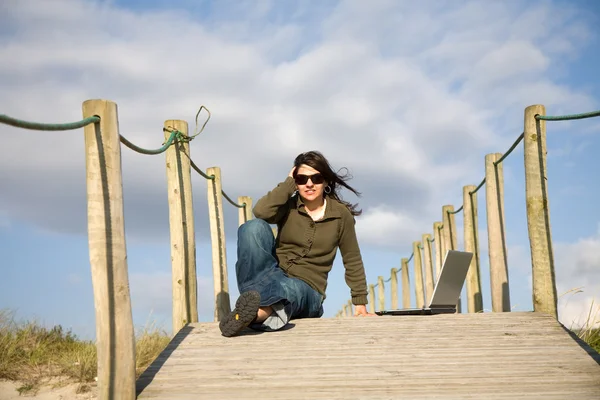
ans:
(587, 330)
(32, 354)
(590, 331)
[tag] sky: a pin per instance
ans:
(409, 96)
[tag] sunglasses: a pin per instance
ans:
(303, 179)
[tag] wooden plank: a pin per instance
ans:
(483, 355)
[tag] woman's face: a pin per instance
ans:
(310, 183)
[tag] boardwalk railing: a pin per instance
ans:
(108, 253)
(115, 339)
(445, 235)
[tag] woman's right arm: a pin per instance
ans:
(273, 206)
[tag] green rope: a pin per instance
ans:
(411, 257)
(233, 203)
(478, 187)
(38, 126)
(212, 177)
(514, 145)
(198, 170)
(455, 212)
(568, 117)
(196, 131)
(174, 134)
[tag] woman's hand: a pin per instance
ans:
(361, 311)
(291, 174)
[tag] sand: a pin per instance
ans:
(53, 390)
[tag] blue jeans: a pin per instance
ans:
(257, 269)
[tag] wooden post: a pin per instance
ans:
(428, 265)
(405, 284)
(450, 240)
(439, 255)
(474, 297)
(350, 308)
(371, 298)
(115, 341)
(394, 288)
(244, 213)
(217, 236)
(181, 224)
(419, 289)
(381, 292)
(538, 212)
(494, 195)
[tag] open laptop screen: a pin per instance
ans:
(451, 279)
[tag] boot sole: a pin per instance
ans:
(242, 315)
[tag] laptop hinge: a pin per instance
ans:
(452, 306)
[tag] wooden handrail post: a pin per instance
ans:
(244, 213)
(418, 266)
(371, 298)
(439, 255)
(350, 307)
(538, 212)
(217, 236)
(428, 265)
(381, 292)
(115, 342)
(494, 195)
(181, 225)
(474, 297)
(405, 284)
(394, 288)
(450, 241)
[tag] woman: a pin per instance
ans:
(285, 278)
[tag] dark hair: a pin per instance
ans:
(317, 161)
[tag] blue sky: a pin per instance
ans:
(409, 97)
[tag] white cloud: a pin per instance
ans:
(577, 269)
(357, 97)
(383, 226)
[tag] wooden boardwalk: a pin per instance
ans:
(514, 355)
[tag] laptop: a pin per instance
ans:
(447, 289)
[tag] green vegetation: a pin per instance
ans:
(590, 331)
(32, 354)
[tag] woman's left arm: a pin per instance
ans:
(352, 259)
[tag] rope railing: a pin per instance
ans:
(175, 135)
(536, 191)
(568, 117)
(212, 177)
(233, 203)
(455, 212)
(200, 172)
(107, 250)
(478, 187)
(40, 126)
